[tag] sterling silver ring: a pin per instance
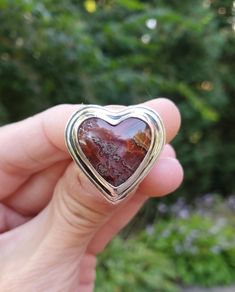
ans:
(115, 148)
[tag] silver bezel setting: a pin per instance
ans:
(114, 117)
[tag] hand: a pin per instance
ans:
(62, 220)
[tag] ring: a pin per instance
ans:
(115, 148)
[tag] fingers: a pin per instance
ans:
(40, 142)
(31, 199)
(32, 145)
(40, 139)
(48, 125)
(36, 148)
(36, 193)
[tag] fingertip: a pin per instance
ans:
(54, 121)
(168, 151)
(169, 113)
(164, 178)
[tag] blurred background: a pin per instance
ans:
(126, 52)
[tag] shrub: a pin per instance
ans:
(198, 249)
(201, 248)
(132, 266)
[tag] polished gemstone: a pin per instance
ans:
(115, 152)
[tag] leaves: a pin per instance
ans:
(126, 266)
(198, 249)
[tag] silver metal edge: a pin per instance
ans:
(114, 117)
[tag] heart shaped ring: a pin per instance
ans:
(115, 148)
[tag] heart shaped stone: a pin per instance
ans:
(115, 148)
(115, 151)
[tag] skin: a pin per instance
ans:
(53, 221)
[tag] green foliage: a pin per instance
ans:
(132, 266)
(199, 248)
(196, 250)
(127, 52)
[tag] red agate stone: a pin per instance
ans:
(115, 152)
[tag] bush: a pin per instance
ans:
(202, 249)
(198, 249)
(132, 266)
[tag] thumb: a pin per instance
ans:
(77, 209)
(51, 246)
